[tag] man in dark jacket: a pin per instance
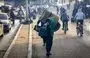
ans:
(51, 23)
(48, 37)
(12, 16)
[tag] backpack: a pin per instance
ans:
(64, 17)
(57, 26)
(43, 30)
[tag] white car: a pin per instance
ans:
(4, 18)
(1, 29)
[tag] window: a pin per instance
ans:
(3, 16)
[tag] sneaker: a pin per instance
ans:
(81, 35)
(63, 29)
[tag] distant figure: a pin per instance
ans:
(34, 13)
(75, 10)
(20, 14)
(68, 6)
(30, 13)
(57, 9)
(12, 16)
(64, 19)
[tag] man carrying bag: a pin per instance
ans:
(46, 31)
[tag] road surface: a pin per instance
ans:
(7, 39)
(64, 46)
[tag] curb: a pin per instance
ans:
(11, 45)
(30, 42)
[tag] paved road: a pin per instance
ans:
(7, 39)
(64, 46)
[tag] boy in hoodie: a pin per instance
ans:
(80, 16)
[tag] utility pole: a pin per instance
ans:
(27, 5)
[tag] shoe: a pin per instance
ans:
(67, 29)
(63, 29)
(48, 54)
(81, 35)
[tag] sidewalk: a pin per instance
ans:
(19, 47)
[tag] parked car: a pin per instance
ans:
(5, 9)
(1, 29)
(4, 18)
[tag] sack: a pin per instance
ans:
(57, 27)
(43, 30)
(45, 15)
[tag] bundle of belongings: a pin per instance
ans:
(53, 22)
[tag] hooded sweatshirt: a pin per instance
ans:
(80, 15)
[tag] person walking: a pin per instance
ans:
(34, 13)
(20, 14)
(46, 27)
(68, 6)
(57, 9)
(46, 32)
(12, 16)
(50, 30)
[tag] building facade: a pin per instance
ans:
(61, 1)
